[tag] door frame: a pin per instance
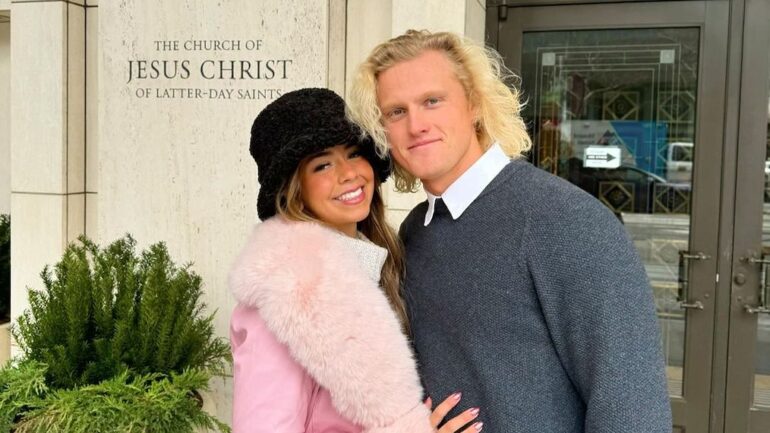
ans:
(505, 27)
(747, 241)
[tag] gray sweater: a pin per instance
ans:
(535, 305)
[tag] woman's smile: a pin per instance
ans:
(337, 186)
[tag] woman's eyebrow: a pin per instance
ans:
(318, 154)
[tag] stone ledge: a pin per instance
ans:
(5, 343)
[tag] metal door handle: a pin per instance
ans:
(764, 288)
(756, 310)
(694, 256)
(697, 305)
(684, 281)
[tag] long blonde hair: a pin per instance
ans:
(289, 205)
(480, 71)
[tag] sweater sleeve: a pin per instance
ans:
(599, 309)
(271, 393)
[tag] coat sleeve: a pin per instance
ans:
(271, 393)
(599, 309)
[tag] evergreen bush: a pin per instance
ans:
(124, 404)
(22, 388)
(5, 268)
(105, 311)
(115, 341)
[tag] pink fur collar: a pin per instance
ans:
(337, 323)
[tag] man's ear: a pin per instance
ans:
(476, 112)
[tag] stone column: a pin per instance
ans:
(5, 140)
(91, 118)
(47, 137)
(5, 111)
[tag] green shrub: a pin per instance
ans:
(5, 268)
(114, 342)
(22, 388)
(124, 404)
(105, 311)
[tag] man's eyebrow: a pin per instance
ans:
(390, 104)
(387, 107)
(424, 95)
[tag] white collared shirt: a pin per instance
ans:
(463, 191)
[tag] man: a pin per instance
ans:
(523, 292)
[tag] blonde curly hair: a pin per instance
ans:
(489, 87)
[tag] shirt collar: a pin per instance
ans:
(463, 191)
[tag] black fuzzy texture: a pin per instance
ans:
(296, 125)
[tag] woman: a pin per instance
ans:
(317, 344)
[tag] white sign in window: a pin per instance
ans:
(602, 157)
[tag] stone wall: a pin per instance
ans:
(134, 117)
(181, 83)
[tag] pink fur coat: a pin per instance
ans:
(310, 291)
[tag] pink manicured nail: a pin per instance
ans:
(456, 396)
(478, 426)
(474, 411)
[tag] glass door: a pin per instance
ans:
(748, 379)
(625, 101)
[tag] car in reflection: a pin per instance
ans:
(767, 181)
(630, 189)
(679, 162)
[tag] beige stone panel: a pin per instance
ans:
(92, 3)
(433, 15)
(395, 217)
(5, 5)
(38, 116)
(5, 117)
(92, 99)
(38, 231)
(400, 200)
(92, 202)
(219, 397)
(76, 216)
(178, 170)
(475, 20)
(74, 2)
(336, 44)
(76, 98)
(368, 24)
(5, 343)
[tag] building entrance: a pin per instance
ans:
(660, 111)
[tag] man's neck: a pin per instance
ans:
(476, 150)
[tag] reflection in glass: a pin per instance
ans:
(762, 357)
(613, 111)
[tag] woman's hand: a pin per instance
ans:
(454, 424)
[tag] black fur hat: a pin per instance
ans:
(296, 125)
